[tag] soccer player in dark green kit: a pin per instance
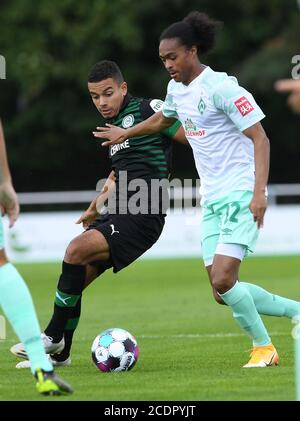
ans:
(120, 237)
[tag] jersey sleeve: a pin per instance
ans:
(238, 104)
(149, 107)
(169, 108)
(154, 106)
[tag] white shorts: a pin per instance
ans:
(232, 250)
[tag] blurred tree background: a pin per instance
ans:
(50, 46)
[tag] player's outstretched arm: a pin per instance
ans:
(94, 209)
(179, 137)
(261, 142)
(154, 124)
(287, 85)
(8, 197)
(293, 87)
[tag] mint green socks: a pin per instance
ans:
(246, 314)
(271, 304)
(16, 302)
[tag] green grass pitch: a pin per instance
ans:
(190, 347)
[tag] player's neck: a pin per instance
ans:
(196, 71)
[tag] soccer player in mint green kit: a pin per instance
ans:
(231, 151)
(15, 298)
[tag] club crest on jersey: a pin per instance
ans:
(201, 106)
(243, 105)
(191, 129)
(128, 121)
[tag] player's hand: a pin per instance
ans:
(292, 86)
(258, 207)
(87, 218)
(9, 202)
(114, 134)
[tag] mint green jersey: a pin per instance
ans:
(214, 111)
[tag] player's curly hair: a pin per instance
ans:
(105, 69)
(196, 29)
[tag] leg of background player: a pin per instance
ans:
(265, 302)
(16, 301)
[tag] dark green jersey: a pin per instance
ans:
(144, 157)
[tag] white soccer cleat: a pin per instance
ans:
(27, 363)
(50, 347)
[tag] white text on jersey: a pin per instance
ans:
(114, 149)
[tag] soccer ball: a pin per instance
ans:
(115, 350)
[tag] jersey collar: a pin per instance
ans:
(126, 100)
(199, 77)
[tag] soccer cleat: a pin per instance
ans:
(50, 347)
(49, 383)
(64, 363)
(263, 356)
(27, 363)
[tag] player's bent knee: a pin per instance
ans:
(217, 297)
(86, 248)
(221, 281)
(73, 253)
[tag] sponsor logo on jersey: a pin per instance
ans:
(128, 121)
(243, 105)
(156, 105)
(116, 148)
(191, 128)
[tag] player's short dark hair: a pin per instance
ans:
(195, 29)
(105, 69)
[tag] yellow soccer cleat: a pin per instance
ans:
(49, 383)
(263, 356)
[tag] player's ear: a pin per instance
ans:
(124, 88)
(194, 50)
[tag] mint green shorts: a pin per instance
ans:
(1, 234)
(229, 221)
